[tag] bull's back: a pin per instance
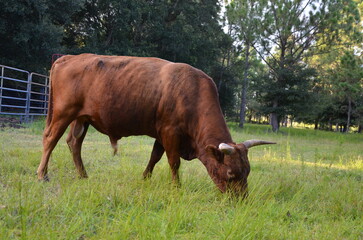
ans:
(86, 75)
(124, 96)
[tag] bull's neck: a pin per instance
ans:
(213, 131)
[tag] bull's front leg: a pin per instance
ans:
(174, 162)
(171, 146)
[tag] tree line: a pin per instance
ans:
(273, 61)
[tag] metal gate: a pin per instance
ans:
(23, 93)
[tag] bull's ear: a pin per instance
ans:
(214, 151)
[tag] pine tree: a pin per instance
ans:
(243, 18)
(290, 32)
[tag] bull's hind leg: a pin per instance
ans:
(52, 133)
(75, 139)
(156, 154)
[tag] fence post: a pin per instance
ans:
(28, 95)
(1, 86)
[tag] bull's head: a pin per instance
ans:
(231, 168)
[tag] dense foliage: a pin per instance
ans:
(271, 60)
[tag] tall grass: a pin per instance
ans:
(309, 186)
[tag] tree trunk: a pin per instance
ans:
(109, 37)
(284, 123)
(274, 118)
(274, 122)
(359, 128)
(242, 114)
(349, 114)
(222, 70)
(250, 118)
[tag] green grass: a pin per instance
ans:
(309, 186)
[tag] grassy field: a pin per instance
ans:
(309, 186)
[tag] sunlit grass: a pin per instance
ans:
(308, 186)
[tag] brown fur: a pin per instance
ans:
(122, 96)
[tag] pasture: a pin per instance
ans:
(309, 186)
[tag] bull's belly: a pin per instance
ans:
(122, 127)
(126, 129)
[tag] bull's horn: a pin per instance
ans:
(252, 143)
(226, 149)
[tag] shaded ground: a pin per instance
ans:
(10, 122)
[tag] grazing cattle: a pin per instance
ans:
(122, 96)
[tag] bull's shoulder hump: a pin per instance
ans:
(184, 67)
(192, 73)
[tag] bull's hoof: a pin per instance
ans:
(146, 175)
(82, 176)
(44, 179)
(176, 184)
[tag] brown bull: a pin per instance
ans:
(122, 96)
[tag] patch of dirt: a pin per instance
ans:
(11, 122)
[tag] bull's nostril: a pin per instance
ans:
(230, 174)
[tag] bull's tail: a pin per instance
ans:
(50, 104)
(50, 100)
